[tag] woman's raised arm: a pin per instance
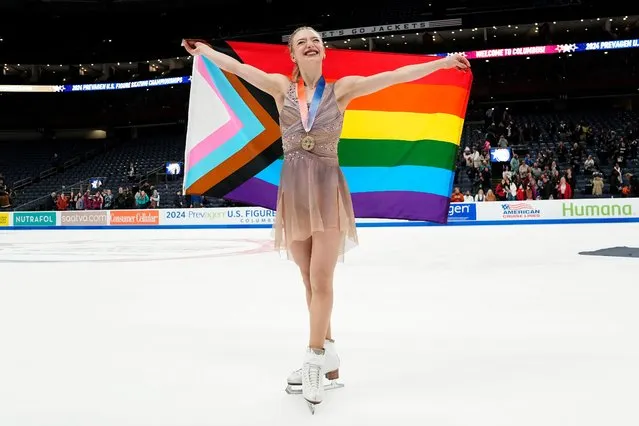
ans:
(351, 87)
(275, 85)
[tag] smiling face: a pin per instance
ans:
(306, 46)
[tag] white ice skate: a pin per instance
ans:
(312, 372)
(330, 371)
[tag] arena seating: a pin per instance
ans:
(603, 142)
(20, 161)
(111, 163)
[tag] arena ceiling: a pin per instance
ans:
(96, 31)
(292, 8)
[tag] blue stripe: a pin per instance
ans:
(430, 180)
(389, 224)
(251, 127)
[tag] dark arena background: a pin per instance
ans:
(98, 91)
(533, 323)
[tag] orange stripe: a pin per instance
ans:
(421, 98)
(251, 150)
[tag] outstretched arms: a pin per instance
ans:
(351, 87)
(273, 84)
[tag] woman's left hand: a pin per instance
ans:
(456, 61)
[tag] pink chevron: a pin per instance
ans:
(221, 135)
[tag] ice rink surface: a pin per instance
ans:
(437, 326)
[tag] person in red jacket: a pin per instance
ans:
(457, 196)
(500, 191)
(564, 191)
(62, 202)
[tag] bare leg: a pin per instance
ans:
(324, 255)
(301, 252)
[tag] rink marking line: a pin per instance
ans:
(87, 251)
(359, 225)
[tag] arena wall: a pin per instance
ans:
(602, 210)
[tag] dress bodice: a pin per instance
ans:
(326, 129)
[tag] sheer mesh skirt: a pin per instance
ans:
(313, 196)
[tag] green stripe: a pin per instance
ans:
(389, 153)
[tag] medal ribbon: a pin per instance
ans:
(308, 117)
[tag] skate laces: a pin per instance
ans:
(313, 375)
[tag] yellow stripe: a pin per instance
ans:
(406, 126)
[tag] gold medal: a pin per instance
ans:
(308, 143)
(309, 113)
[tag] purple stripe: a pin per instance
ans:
(401, 205)
(256, 192)
(380, 205)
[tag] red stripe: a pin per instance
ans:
(273, 58)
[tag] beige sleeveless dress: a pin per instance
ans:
(313, 195)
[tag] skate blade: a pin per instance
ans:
(311, 405)
(297, 389)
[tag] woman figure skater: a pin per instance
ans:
(315, 222)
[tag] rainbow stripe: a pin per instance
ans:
(397, 149)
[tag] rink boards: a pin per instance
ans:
(602, 210)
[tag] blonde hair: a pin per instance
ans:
(296, 69)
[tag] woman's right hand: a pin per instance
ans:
(274, 84)
(195, 47)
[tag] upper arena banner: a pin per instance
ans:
(549, 49)
(387, 28)
(94, 87)
(397, 148)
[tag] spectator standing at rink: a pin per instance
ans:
(155, 199)
(108, 200)
(196, 201)
(141, 200)
(5, 197)
(597, 186)
(79, 203)
(564, 191)
(178, 201)
(500, 190)
(62, 201)
(120, 200)
(50, 202)
(96, 201)
(457, 196)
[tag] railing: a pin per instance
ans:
(48, 172)
(66, 165)
(79, 186)
(28, 205)
(71, 162)
(22, 183)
